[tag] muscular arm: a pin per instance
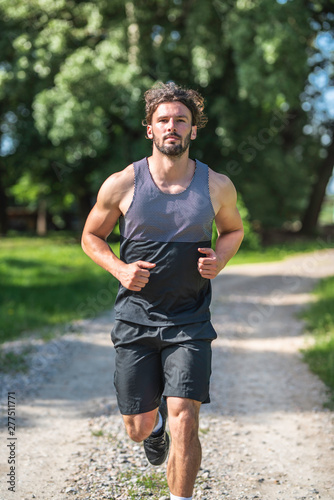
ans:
(112, 200)
(229, 226)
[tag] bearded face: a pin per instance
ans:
(172, 144)
(171, 129)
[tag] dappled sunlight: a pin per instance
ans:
(276, 297)
(289, 345)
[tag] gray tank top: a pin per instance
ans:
(167, 229)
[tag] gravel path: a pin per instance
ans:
(265, 434)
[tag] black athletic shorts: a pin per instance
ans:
(161, 361)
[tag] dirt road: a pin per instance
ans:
(265, 434)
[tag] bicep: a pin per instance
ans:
(105, 213)
(228, 219)
(224, 200)
(101, 220)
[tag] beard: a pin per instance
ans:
(174, 150)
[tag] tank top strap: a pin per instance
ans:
(142, 173)
(201, 178)
(202, 168)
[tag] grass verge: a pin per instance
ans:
(11, 362)
(50, 281)
(320, 322)
(278, 252)
(47, 282)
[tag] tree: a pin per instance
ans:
(87, 64)
(321, 114)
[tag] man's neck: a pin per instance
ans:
(171, 171)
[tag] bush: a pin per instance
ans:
(320, 322)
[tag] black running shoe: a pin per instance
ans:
(156, 446)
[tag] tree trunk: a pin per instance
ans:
(42, 226)
(312, 212)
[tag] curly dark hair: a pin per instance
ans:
(169, 92)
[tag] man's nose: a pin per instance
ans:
(171, 124)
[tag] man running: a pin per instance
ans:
(165, 205)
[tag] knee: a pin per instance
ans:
(137, 435)
(138, 428)
(183, 424)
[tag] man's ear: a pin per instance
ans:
(149, 132)
(193, 132)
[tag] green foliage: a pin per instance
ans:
(320, 359)
(262, 36)
(26, 191)
(73, 76)
(320, 319)
(251, 239)
(320, 315)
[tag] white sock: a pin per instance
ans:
(173, 497)
(159, 424)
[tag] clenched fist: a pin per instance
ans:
(208, 266)
(136, 275)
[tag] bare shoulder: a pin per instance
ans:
(222, 190)
(116, 187)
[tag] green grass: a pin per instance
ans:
(320, 320)
(11, 362)
(46, 282)
(155, 483)
(277, 252)
(98, 433)
(327, 211)
(50, 281)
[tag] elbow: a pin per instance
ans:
(83, 243)
(241, 233)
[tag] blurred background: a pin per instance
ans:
(72, 78)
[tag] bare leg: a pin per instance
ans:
(140, 426)
(186, 452)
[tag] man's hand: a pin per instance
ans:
(136, 275)
(209, 266)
